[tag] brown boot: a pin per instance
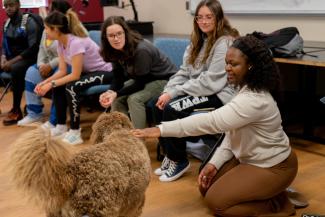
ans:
(13, 117)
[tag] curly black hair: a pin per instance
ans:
(264, 73)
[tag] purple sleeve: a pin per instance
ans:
(77, 46)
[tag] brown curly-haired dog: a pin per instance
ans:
(100, 129)
(107, 179)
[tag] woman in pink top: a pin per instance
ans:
(80, 67)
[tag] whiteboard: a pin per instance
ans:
(32, 3)
(269, 6)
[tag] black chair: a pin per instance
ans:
(6, 82)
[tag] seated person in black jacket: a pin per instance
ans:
(20, 43)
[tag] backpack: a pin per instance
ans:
(285, 42)
(23, 24)
(22, 28)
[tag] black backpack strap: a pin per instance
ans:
(5, 26)
(5, 42)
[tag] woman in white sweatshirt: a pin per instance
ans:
(250, 170)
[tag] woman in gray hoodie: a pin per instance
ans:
(201, 82)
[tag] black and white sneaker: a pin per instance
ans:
(175, 170)
(163, 168)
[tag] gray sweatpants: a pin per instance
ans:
(135, 103)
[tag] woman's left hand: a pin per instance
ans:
(41, 90)
(152, 132)
(206, 175)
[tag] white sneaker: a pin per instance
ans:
(59, 130)
(28, 120)
(47, 126)
(73, 137)
(163, 168)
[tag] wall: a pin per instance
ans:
(92, 13)
(170, 16)
(3, 17)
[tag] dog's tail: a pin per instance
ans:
(38, 167)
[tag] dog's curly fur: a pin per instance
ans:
(107, 179)
(116, 120)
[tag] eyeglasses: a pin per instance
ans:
(207, 18)
(118, 35)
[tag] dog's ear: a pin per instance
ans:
(124, 120)
(108, 122)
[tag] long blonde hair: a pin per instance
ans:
(75, 25)
(68, 23)
(222, 28)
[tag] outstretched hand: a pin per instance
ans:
(152, 132)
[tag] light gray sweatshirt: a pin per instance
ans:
(252, 122)
(47, 54)
(206, 79)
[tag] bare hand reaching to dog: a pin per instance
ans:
(106, 99)
(152, 132)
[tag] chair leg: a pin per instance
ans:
(5, 91)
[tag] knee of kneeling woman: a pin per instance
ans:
(215, 203)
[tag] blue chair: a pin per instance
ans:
(173, 48)
(95, 35)
(5, 76)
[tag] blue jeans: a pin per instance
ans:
(34, 102)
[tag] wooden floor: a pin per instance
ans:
(177, 199)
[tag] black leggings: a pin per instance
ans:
(180, 107)
(69, 95)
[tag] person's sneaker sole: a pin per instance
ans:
(75, 142)
(164, 178)
(32, 124)
(159, 172)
